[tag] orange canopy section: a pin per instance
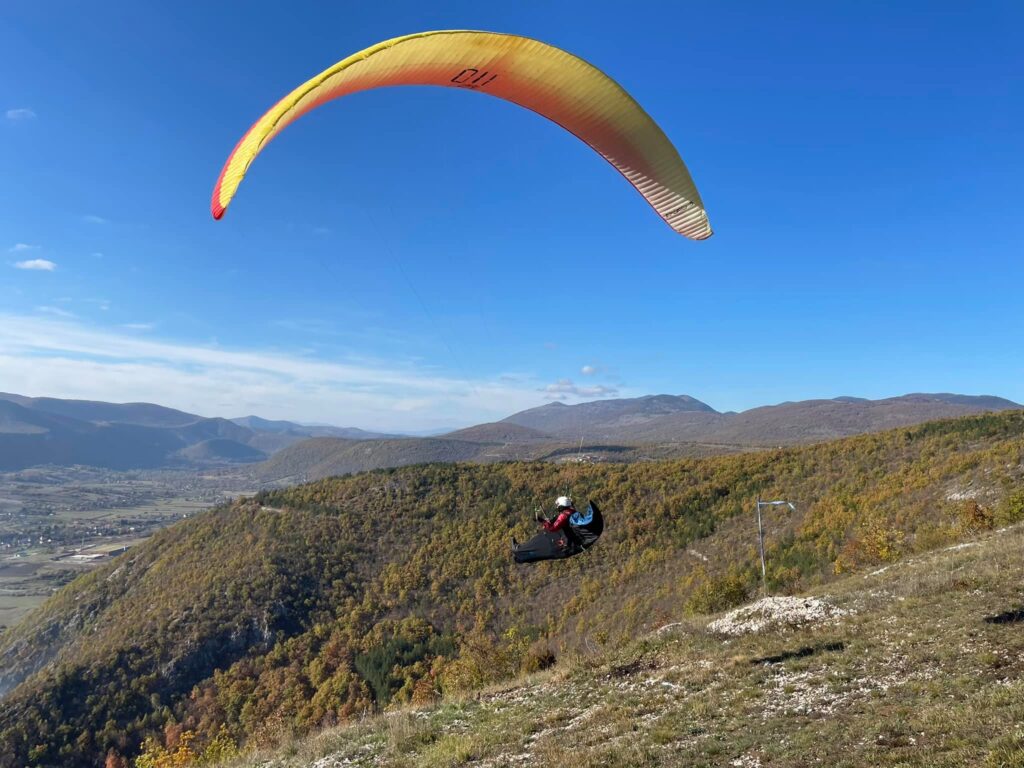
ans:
(542, 78)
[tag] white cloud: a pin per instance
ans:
(565, 387)
(138, 326)
(589, 370)
(72, 359)
(22, 247)
(21, 113)
(55, 311)
(44, 265)
(90, 218)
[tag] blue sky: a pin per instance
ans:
(414, 258)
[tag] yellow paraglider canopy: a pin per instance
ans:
(549, 81)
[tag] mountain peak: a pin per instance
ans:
(597, 416)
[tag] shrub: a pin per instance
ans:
(719, 593)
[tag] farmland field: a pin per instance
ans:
(56, 523)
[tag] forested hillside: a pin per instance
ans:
(308, 606)
(918, 664)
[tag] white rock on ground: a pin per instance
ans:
(773, 613)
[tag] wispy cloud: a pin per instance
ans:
(22, 248)
(55, 311)
(20, 113)
(138, 326)
(73, 359)
(590, 370)
(44, 265)
(564, 388)
(91, 218)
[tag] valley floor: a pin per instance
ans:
(59, 522)
(917, 664)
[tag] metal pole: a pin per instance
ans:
(760, 542)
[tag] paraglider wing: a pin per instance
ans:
(549, 81)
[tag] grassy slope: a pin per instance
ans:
(926, 670)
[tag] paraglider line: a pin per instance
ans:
(423, 305)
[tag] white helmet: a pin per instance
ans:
(563, 502)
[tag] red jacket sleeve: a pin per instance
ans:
(560, 522)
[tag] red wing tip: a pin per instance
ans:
(217, 210)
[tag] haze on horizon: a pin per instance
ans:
(380, 270)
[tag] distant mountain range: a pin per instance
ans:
(606, 416)
(655, 426)
(142, 435)
(257, 424)
(46, 430)
(667, 418)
